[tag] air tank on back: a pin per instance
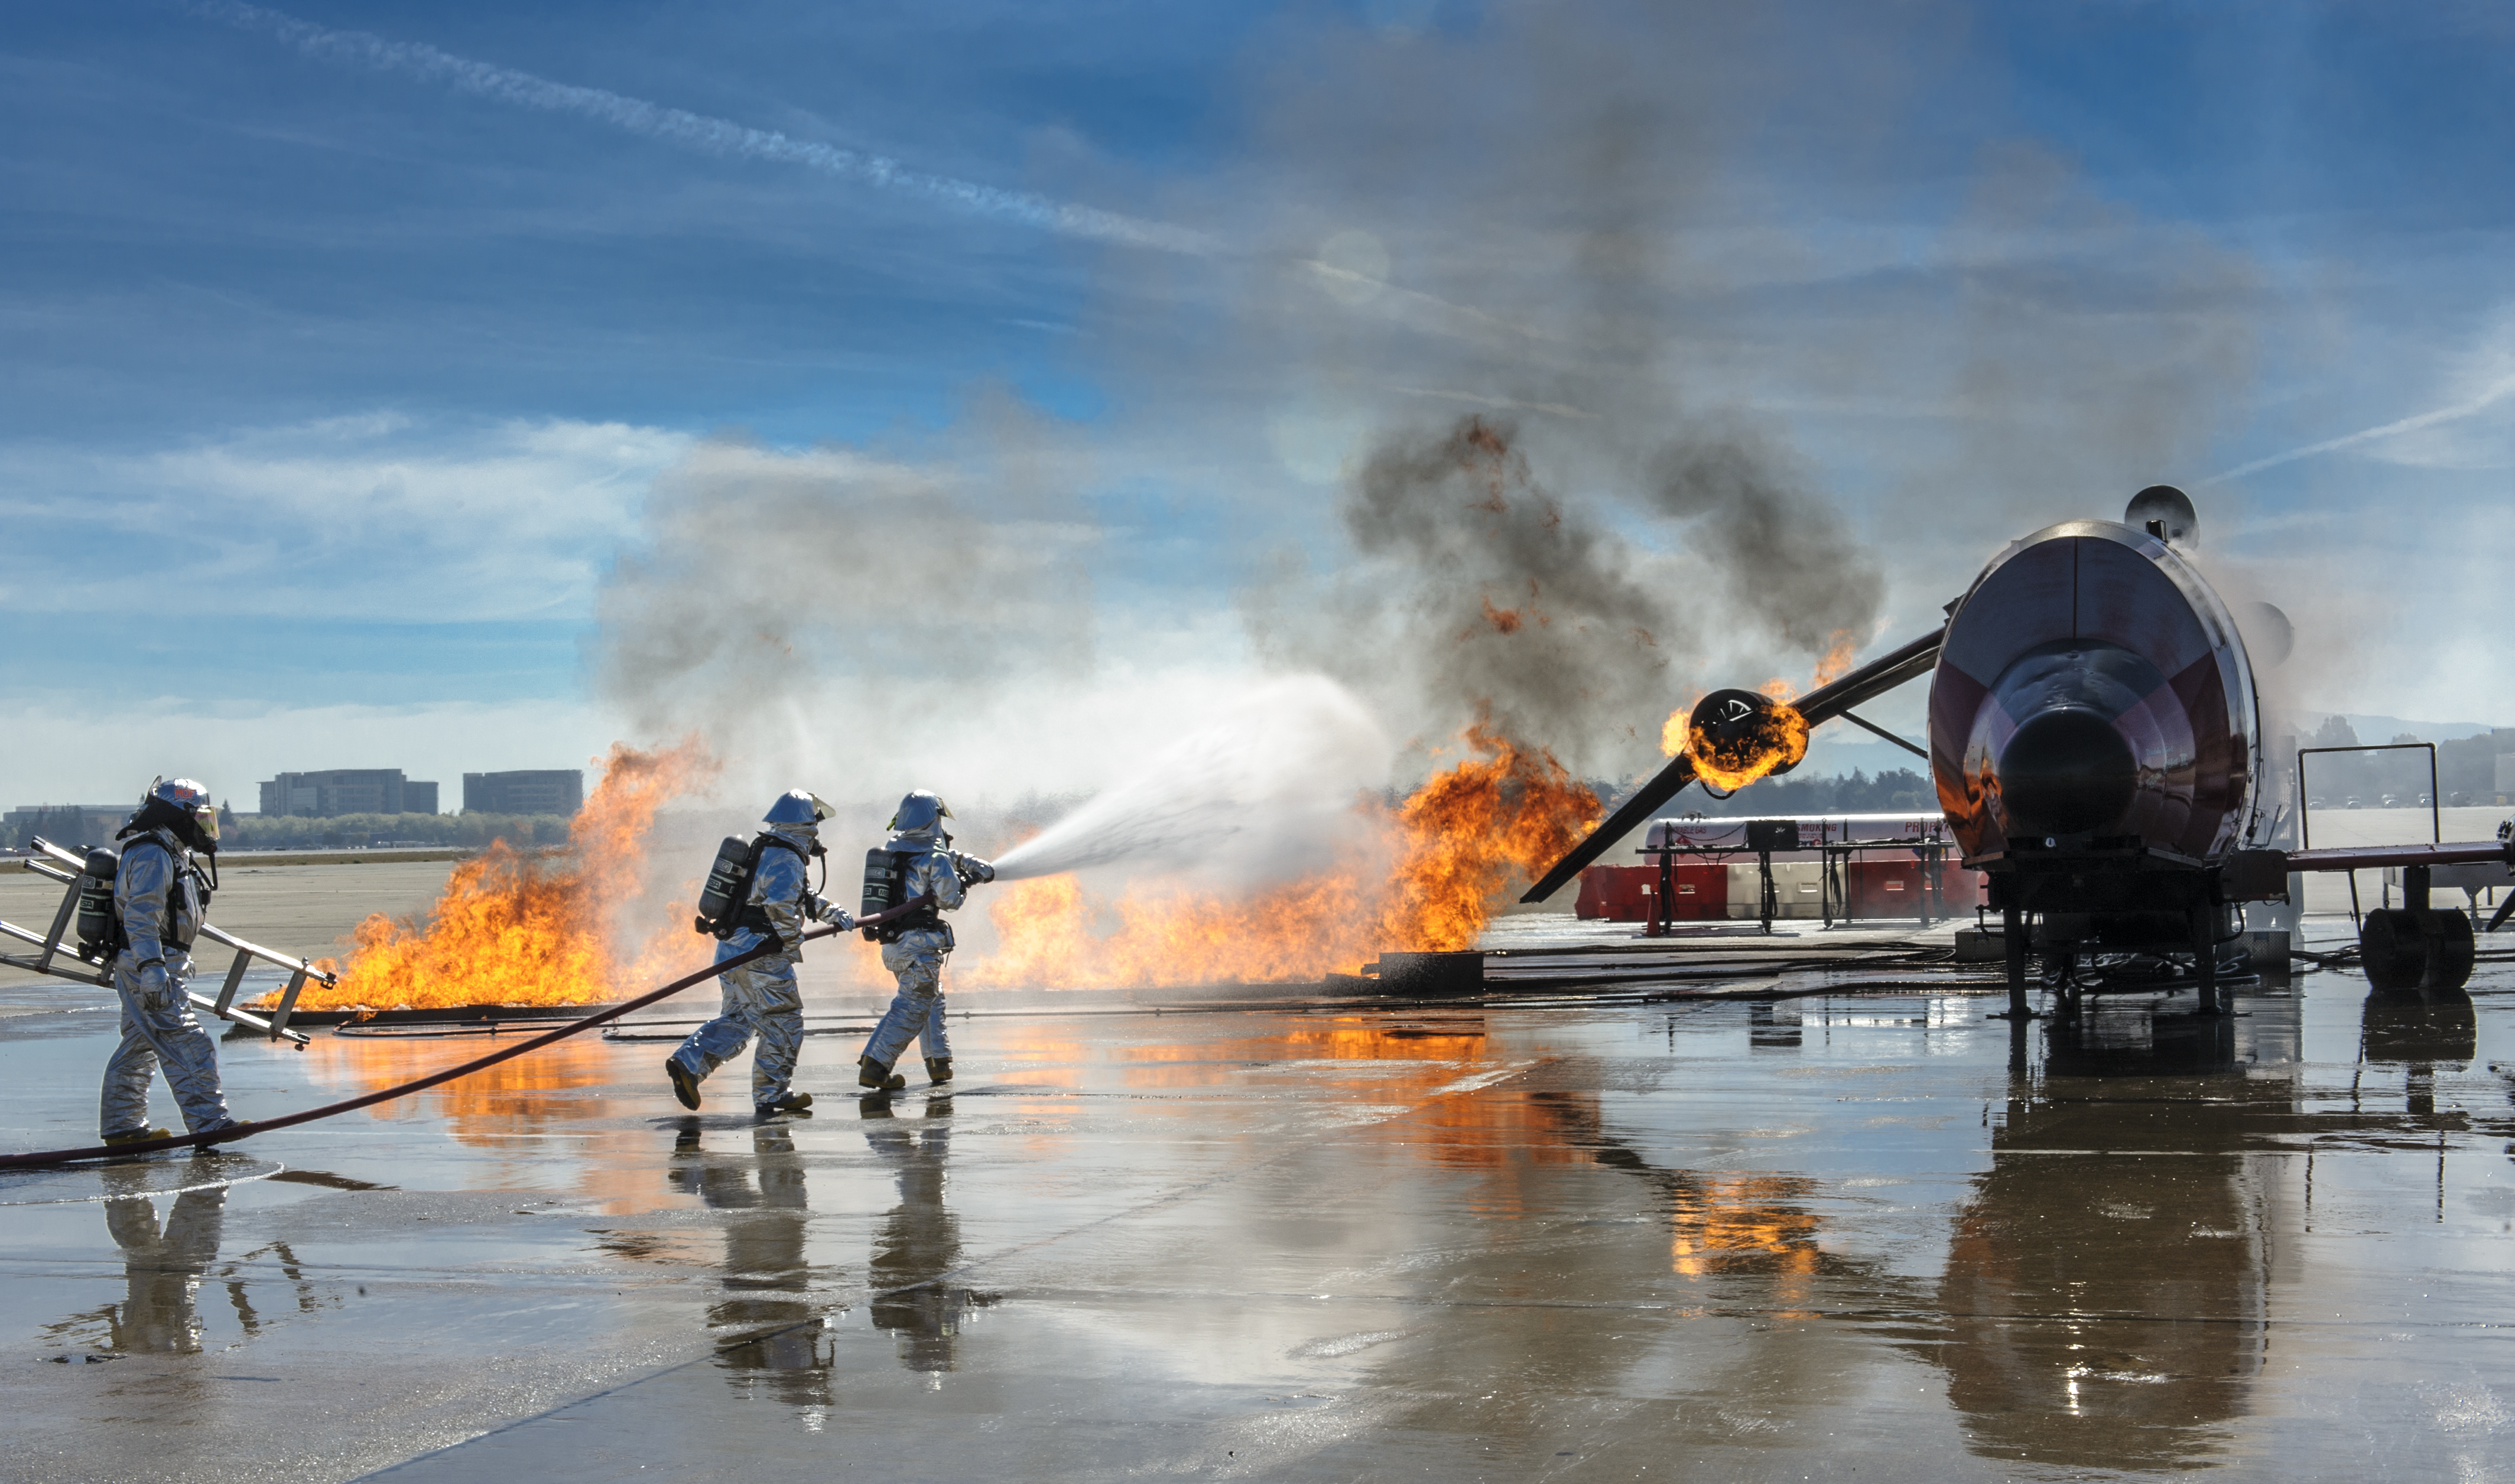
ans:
(2093, 694)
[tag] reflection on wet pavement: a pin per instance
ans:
(766, 1327)
(1878, 1238)
(918, 1246)
(2107, 1284)
(162, 1265)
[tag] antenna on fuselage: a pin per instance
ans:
(2167, 514)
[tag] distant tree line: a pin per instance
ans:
(2466, 765)
(1787, 798)
(64, 824)
(1855, 792)
(257, 831)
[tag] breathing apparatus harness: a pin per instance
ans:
(887, 866)
(885, 887)
(726, 907)
(102, 933)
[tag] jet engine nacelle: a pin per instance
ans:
(2093, 695)
(1745, 732)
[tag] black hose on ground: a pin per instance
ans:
(236, 1132)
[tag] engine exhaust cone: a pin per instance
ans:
(2066, 772)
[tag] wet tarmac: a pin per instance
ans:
(1873, 1237)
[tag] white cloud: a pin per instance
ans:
(373, 516)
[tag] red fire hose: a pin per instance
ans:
(235, 1131)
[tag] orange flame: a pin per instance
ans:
(1784, 741)
(1466, 833)
(1671, 732)
(1835, 663)
(1428, 878)
(1778, 738)
(515, 928)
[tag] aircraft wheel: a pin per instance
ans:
(2410, 949)
(2450, 950)
(2392, 948)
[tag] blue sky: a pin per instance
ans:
(338, 380)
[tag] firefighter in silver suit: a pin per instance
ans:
(761, 998)
(159, 900)
(914, 948)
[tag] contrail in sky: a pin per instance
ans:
(2495, 395)
(718, 134)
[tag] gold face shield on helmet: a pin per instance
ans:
(942, 812)
(190, 798)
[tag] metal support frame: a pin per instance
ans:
(1662, 911)
(2415, 887)
(2012, 937)
(2305, 808)
(1842, 855)
(52, 963)
(1863, 722)
(2204, 919)
(1833, 857)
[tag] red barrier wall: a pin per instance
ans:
(1891, 889)
(1624, 894)
(1616, 893)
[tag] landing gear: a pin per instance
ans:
(2012, 935)
(2416, 946)
(2429, 949)
(2205, 957)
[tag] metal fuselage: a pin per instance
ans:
(2095, 734)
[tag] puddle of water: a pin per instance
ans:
(125, 1179)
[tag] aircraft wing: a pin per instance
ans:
(1823, 704)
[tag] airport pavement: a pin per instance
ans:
(299, 909)
(1833, 1238)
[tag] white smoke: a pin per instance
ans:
(1262, 793)
(718, 135)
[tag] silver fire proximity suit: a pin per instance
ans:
(162, 909)
(761, 997)
(916, 960)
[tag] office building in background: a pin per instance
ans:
(348, 791)
(528, 791)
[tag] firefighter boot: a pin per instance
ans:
(874, 1077)
(939, 1069)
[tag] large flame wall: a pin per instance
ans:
(1429, 879)
(514, 928)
